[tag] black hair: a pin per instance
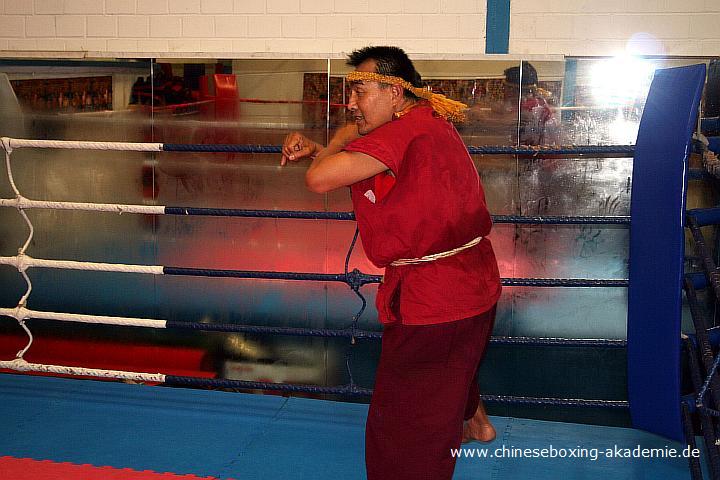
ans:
(391, 61)
(528, 78)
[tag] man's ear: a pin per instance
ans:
(398, 92)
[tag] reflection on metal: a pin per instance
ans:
(514, 186)
(239, 346)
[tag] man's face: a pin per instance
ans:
(371, 104)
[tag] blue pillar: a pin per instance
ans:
(569, 85)
(497, 26)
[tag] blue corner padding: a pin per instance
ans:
(706, 216)
(711, 124)
(714, 144)
(657, 248)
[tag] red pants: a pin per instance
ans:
(424, 387)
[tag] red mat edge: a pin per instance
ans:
(31, 469)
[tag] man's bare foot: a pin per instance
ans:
(478, 427)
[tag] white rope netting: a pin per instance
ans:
(22, 261)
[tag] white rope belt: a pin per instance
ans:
(436, 256)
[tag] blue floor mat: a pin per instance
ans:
(246, 437)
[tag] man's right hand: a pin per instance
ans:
(296, 147)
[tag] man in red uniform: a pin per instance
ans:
(422, 215)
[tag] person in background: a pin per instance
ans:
(522, 110)
(537, 124)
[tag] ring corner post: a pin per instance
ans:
(657, 242)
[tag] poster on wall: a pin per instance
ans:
(66, 95)
(315, 94)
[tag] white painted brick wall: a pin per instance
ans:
(471, 27)
(18, 8)
(437, 26)
(122, 45)
(44, 7)
(102, 26)
(462, 6)
(12, 26)
(296, 26)
(83, 6)
(217, 6)
(421, 6)
(184, 6)
(403, 26)
(268, 26)
(133, 26)
(198, 27)
(316, 6)
(610, 27)
(386, 6)
(368, 26)
(165, 26)
(40, 26)
(116, 6)
(70, 25)
(574, 27)
(152, 7)
(231, 26)
(333, 26)
(283, 6)
(351, 6)
(249, 6)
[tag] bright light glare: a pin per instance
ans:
(622, 131)
(620, 81)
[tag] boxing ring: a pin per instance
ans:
(229, 435)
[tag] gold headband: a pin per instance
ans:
(445, 107)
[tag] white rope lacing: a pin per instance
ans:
(22, 313)
(23, 262)
(82, 145)
(23, 300)
(20, 365)
(21, 203)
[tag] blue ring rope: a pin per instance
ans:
(564, 282)
(562, 220)
(357, 279)
(555, 402)
(316, 215)
(258, 274)
(625, 150)
(354, 390)
(233, 212)
(220, 148)
(374, 335)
